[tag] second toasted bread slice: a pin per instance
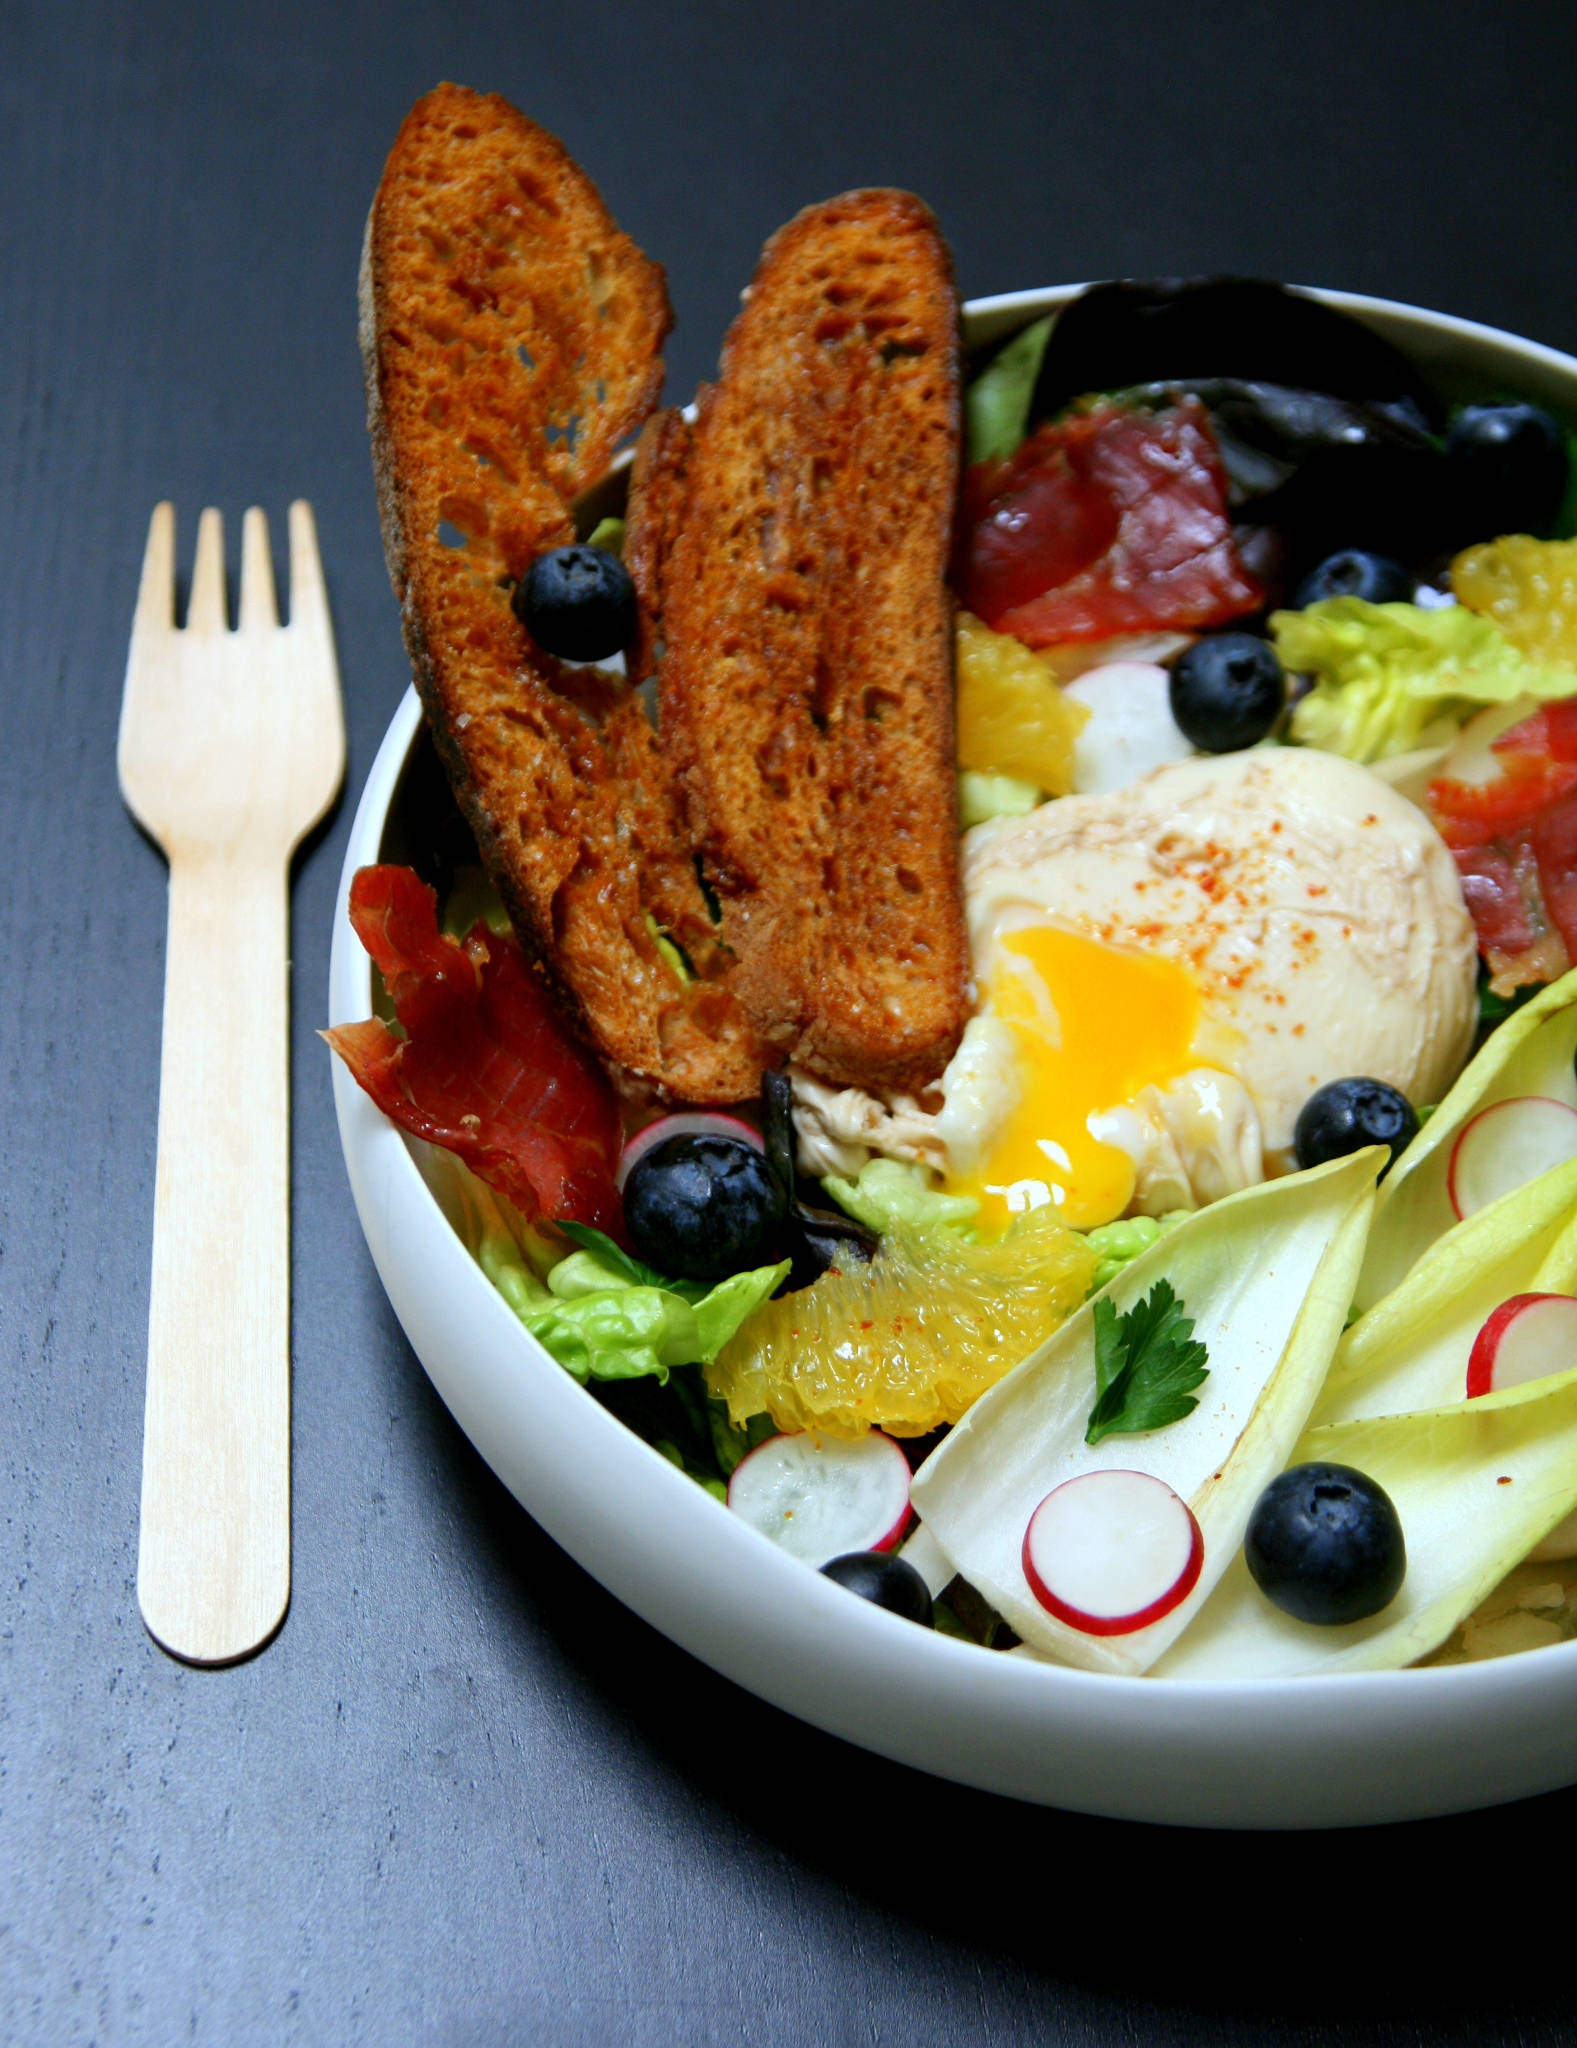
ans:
(511, 335)
(806, 675)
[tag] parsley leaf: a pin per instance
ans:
(1146, 1363)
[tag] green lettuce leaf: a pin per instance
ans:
(1477, 1485)
(887, 1193)
(1530, 1054)
(1267, 1275)
(606, 1316)
(1390, 678)
(981, 797)
(607, 1264)
(1116, 1245)
(996, 404)
(623, 1331)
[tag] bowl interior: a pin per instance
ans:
(1311, 1752)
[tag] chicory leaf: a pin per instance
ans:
(1476, 1486)
(1268, 1275)
(1530, 1054)
(1410, 1350)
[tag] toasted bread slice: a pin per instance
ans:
(806, 676)
(510, 334)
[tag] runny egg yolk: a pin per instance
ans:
(1092, 1024)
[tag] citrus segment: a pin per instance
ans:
(1528, 588)
(1012, 716)
(910, 1341)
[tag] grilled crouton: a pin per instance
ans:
(511, 338)
(806, 676)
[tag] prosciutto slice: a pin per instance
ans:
(1113, 522)
(485, 1068)
(1514, 838)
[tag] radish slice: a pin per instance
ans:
(706, 1123)
(822, 1496)
(1112, 1551)
(1527, 1338)
(1506, 1146)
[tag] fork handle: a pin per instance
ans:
(213, 1566)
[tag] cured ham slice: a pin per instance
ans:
(1513, 835)
(485, 1069)
(1111, 522)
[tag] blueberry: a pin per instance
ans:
(1344, 1116)
(1227, 691)
(1325, 1544)
(578, 603)
(1508, 466)
(703, 1207)
(1355, 573)
(885, 1580)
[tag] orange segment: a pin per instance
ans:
(1528, 588)
(1012, 716)
(910, 1341)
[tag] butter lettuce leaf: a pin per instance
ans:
(1390, 678)
(605, 1316)
(996, 404)
(887, 1194)
(1117, 1245)
(982, 797)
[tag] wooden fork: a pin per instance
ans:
(232, 747)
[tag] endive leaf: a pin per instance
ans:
(1411, 1349)
(1530, 1054)
(1476, 1486)
(1266, 1276)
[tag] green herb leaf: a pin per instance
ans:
(1147, 1361)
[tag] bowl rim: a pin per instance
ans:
(877, 1668)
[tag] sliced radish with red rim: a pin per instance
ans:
(1527, 1338)
(823, 1496)
(682, 1123)
(1506, 1146)
(1112, 1551)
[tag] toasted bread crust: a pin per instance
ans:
(653, 513)
(510, 337)
(806, 680)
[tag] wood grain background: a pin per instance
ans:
(465, 1798)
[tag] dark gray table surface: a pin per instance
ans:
(465, 1797)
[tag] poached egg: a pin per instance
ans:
(1165, 973)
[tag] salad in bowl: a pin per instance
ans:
(1185, 1355)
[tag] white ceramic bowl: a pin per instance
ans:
(1313, 1752)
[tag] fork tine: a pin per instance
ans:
(206, 612)
(155, 613)
(258, 609)
(309, 604)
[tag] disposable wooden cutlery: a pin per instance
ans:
(232, 747)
